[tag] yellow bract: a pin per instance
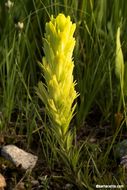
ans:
(59, 93)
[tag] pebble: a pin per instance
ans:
(2, 182)
(19, 157)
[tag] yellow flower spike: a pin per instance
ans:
(57, 70)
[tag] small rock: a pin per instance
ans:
(34, 182)
(19, 157)
(68, 186)
(124, 161)
(2, 182)
(120, 149)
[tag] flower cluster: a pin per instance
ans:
(59, 92)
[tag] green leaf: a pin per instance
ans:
(119, 63)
